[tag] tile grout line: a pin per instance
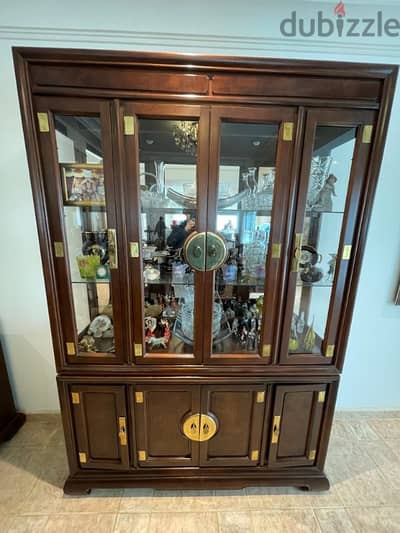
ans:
(317, 520)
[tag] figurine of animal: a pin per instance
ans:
(323, 200)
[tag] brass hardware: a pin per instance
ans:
(266, 350)
(59, 249)
(312, 455)
(254, 455)
(205, 251)
(194, 250)
(321, 396)
(217, 251)
(112, 248)
(288, 131)
(208, 427)
(70, 348)
(138, 350)
(276, 429)
(129, 125)
(76, 399)
(82, 457)
(43, 120)
(346, 252)
(134, 249)
(367, 133)
(330, 350)
(191, 427)
(122, 431)
(260, 396)
(142, 455)
(199, 427)
(139, 397)
(276, 250)
(297, 252)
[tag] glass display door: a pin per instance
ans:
(166, 149)
(82, 188)
(248, 200)
(335, 158)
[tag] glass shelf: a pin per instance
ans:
(310, 212)
(77, 281)
(172, 210)
(161, 281)
(310, 284)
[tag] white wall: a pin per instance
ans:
(221, 27)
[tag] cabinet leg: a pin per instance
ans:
(318, 484)
(71, 488)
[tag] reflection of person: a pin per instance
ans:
(160, 232)
(179, 233)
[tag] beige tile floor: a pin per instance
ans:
(363, 466)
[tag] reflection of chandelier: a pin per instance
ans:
(185, 136)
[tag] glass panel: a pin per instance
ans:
(80, 154)
(245, 195)
(326, 198)
(168, 157)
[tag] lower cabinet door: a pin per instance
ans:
(238, 413)
(163, 414)
(99, 414)
(296, 425)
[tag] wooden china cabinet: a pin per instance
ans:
(202, 222)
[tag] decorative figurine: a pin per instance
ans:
(235, 326)
(311, 274)
(323, 200)
(87, 344)
(332, 265)
(309, 339)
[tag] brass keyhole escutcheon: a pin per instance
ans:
(199, 427)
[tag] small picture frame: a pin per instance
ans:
(83, 184)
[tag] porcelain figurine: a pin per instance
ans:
(323, 201)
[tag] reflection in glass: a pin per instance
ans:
(168, 157)
(326, 198)
(245, 197)
(80, 155)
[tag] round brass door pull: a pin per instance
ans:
(196, 255)
(199, 427)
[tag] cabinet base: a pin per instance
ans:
(8, 431)
(82, 484)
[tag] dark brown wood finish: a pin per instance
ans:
(132, 184)
(284, 160)
(160, 412)
(10, 419)
(111, 84)
(359, 168)
(98, 412)
(296, 424)
(52, 183)
(239, 412)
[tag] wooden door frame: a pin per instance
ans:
(351, 221)
(285, 154)
(59, 271)
(162, 111)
